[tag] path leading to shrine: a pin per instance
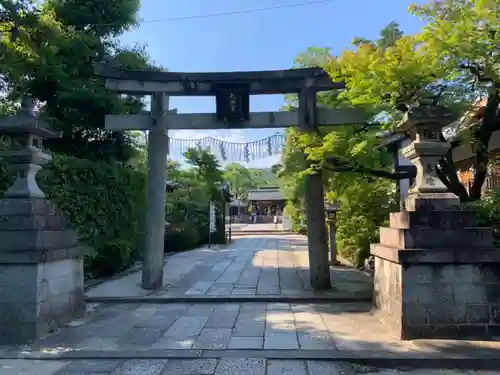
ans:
(254, 268)
(244, 309)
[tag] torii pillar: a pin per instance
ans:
(317, 240)
(153, 251)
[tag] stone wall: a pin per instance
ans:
(468, 298)
(447, 293)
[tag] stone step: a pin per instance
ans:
(445, 219)
(457, 255)
(324, 297)
(432, 238)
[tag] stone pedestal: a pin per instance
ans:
(41, 270)
(437, 274)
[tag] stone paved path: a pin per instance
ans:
(187, 336)
(252, 266)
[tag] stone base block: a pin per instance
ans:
(435, 238)
(41, 270)
(441, 298)
(431, 201)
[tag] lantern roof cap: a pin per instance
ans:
(26, 121)
(425, 114)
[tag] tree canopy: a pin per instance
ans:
(241, 179)
(454, 59)
(47, 50)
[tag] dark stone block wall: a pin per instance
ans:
(437, 275)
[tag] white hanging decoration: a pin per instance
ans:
(232, 151)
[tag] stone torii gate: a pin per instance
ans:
(232, 91)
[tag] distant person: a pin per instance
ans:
(254, 217)
(275, 220)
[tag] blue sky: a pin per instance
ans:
(253, 41)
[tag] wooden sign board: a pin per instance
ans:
(233, 104)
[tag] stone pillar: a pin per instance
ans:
(153, 255)
(316, 232)
(41, 267)
(333, 242)
(436, 272)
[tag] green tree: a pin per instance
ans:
(454, 56)
(342, 152)
(47, 50)
(240, 180)
(463, 36)
(207, 169)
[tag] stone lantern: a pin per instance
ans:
(39, 252)
(423, 124)
(331, 210)
(26, 155)
(435, 270)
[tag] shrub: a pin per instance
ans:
(110, 257)
(104, 202)
(180, 237)
(488, 212)
(302, 230)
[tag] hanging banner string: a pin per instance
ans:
(232, 151)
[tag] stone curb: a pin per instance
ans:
(474, 360)
(232, 299)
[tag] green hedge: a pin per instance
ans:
(105, 204)
(488, 213)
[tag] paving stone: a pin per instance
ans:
(200, 309)
(244, 292)
(249, 328)
(93, 365)
(278, 307)
(323, 367)
(313, 342)
(141, 337)
(220, 290)
(252, 308)
(167, 310)
(213, 338)
(199, 288)
(241, 366)
(222, 318)
(174, 343)
(280, 321)
(186, 326)
(246, 342)
(287, 340)
(141, 367)
(158, 321)
(225, 307)
(98, 343)
(30, 367)
(266, 290)
(190, 367)
(286, 367)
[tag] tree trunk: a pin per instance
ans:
(448, 174)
